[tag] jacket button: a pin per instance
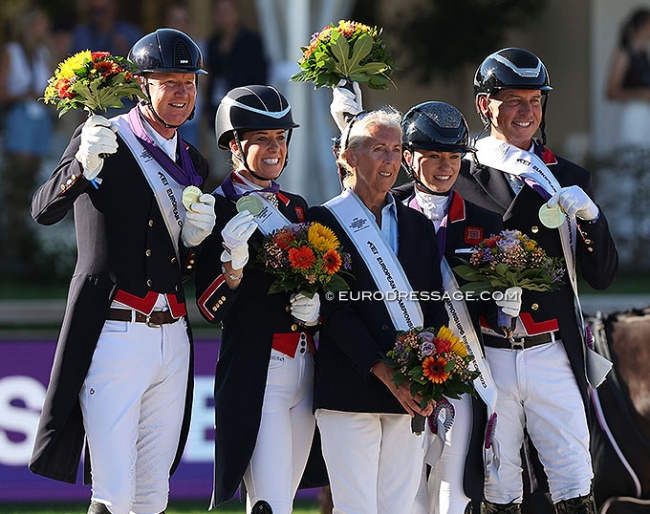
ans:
(149, 282)
(294, 327)
(148, 253)
(173, 260)
(534, 306)
(151, 223)
(534, 229)
(384, 328)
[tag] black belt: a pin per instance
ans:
(520, 343)
(155, 319)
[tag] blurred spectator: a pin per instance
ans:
(234, 57)
(103, 30)
(629, 79)
(178, 17)
(25, 67)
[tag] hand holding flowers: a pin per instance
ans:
(348, 50)
(507, 260)
(436, 364)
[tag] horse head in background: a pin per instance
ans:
(621, 408)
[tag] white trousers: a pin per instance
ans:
(537, 389)
(133, 401)
(285, 434)
(441, 489)
(373, 461)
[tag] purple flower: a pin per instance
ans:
(427, 348)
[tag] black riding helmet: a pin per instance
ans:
(167, 51)
(512, 68)
(436, 126)
(251, 108)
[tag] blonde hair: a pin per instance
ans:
(356, 133)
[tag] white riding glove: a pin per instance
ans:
(97, 138)
(575, 202)
(305, 309)
(345, 102)
(199, 221)
(235, 239)
(511, 302)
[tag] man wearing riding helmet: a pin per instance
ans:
(541, 372)
(122, 376)
(263, 387)
(435, 136)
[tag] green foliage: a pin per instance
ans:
(436, 38)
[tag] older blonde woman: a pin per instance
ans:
(364, 420)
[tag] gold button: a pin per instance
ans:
(191, 261)
(74, 176)
(288, 308)
(151, 223)
(148, 253)
(590, 249)
(223, 298)
(534, 306)
(534, 229)
(588, 241)
(62, 187)
(294, 327)
(149, 282)
(173, 260)
(214, 309)
(189, 266)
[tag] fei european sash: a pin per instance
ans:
(387, 272)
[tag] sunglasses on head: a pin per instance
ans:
(359, 116)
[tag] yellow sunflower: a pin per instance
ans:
(321, 237)
(68, 67)
(457, 346)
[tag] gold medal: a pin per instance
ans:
(551, 217)
(190, 195)
(251, 204)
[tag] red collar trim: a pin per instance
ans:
(456, 208)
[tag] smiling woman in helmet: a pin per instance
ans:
(263, 388)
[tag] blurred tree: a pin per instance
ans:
(436, 38)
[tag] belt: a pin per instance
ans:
(287, 343)
(154, 320)
(520, 343)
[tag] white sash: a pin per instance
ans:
(166, 190)
(510, 159)
(461, 324)
(386, 270)
(270, 218)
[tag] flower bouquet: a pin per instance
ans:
(304, 257)
(349, 50)
(435, 364)
(94, 81)
(510, 259)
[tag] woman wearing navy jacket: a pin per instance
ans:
(364, 420)
(263, 386)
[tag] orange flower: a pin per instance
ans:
(434, 369)
(332, 261)
(302, 257)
